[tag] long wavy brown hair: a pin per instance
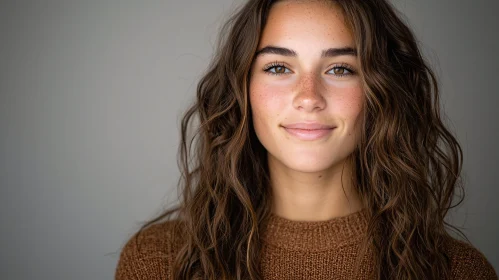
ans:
(406, 166)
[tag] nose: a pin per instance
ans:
(309, 95)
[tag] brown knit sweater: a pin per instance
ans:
(293, 250)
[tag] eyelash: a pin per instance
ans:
(278, 64)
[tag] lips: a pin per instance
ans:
(308, 126)
(308, 131)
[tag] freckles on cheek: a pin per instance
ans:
(351, 101)
(266, 100)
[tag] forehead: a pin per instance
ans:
(306, 21)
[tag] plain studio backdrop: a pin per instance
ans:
(91, 95)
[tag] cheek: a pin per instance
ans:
(353, 112)
(348, 103)
(267, 109)
(267, 102)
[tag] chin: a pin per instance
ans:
(311, 164)
(309, 168)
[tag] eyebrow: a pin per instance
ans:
(331, 52)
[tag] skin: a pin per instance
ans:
(306, 175)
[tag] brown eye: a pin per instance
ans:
(280, 69)
(276, 69)
(341, 71)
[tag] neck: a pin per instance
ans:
(313, 196)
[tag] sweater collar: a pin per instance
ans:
(315, 235)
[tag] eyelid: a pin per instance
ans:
(275, 64)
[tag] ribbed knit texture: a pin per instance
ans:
(293, 250)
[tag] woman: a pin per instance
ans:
(320, 154)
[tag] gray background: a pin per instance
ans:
(91, 93)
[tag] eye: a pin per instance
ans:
(276, 68)
(341, 70)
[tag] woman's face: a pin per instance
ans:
(306, 97)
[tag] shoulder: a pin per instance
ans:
(157, 240)
(149, 253)
(467, 262)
